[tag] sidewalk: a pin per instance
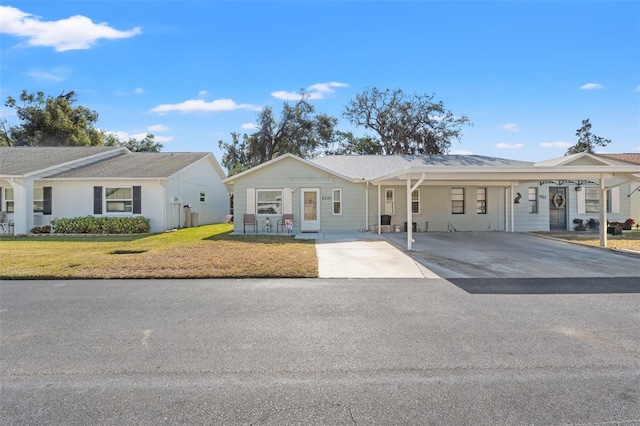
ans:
(362, 255)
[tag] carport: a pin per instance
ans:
(576, 169)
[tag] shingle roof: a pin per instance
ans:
(370, 167)
(629, 157)
(19, 161)
(135, 165)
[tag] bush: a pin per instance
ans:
(101, 225)
(46, 229)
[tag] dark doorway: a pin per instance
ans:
(558, 208)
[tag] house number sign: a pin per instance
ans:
(326, 198)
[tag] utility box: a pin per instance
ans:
(187, 216)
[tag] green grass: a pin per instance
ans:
(202, 252)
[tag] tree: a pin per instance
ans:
(587, 141)
(49, 121)
(348, 144)
(146, 144)
(406, 124)
(300, 131)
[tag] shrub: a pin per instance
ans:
(46, 229)
(101, 225)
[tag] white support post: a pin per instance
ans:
(23, 206)
(603, 213)
(378, 209)
(409, 215)
(512, 213)
(366, 207)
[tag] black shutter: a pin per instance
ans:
(97, 200)
(46, 205)
(137, 200)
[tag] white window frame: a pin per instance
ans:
(592, 205)
(532, 194)
(126, 202)
(336, 201)
(415, 201)
(9, 201)
(203, 197)
(389, 203)
(38, 200)
(481, 200)
(456, 198)
(276, 204)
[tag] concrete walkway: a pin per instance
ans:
(363, 255)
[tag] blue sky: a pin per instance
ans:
(192, 72)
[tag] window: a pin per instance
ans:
(8, 200)
(481, 200)
(203, 197)
(336, 199)
(389, 204)
(533, 200)
(457, 200)
(592, 200)
(119, 200)
(415, 201)
(38, 200)
(269, 201)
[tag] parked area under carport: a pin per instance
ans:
(513, 255)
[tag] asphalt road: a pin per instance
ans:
(276, 352)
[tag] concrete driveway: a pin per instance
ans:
(513, 255)
(363, 255)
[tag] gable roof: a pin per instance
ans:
(135, 165)
(230, 179)
(372, 167)
(628, 157)
(21, 161)
(96, 162)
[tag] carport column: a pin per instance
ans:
(409, 214)
(603, 212)
(23, 205)
(410, 190)
(378, 210)
(512, 213)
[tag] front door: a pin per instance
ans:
(558, 208)
(310, 209)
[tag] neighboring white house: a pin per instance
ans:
(444, 192)
(633, 192)
(38, 184)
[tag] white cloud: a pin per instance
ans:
(203, 93)
(509, 146)
(162, 139)
(511, 127)
(249, 126)
(315, 91)
(139, 91)
(638, 89)
(74, 33)
(460, 152)
(194, 105)
(591, 86)
(54, 74)
(158, 128)
(556, 144)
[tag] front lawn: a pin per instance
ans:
(202, 252)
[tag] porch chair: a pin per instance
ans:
(250, 219)
(285, 223)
